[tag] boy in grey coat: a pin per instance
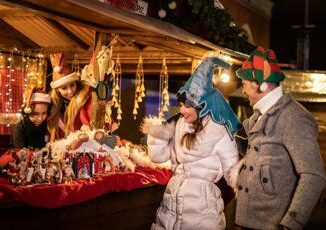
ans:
(282, 175)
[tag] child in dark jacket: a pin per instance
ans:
(31, 131)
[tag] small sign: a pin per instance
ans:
(136, 6)
(142, 8)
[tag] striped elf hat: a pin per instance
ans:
(261, 66)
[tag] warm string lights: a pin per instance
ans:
(35, 69)
(17, 72)
(139, 86)
(23, 71)
(164, 99)
(9, 82)
(116, 89)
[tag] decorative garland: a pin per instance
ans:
(203, 19)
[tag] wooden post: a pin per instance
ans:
(98, 111)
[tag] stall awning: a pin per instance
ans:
(70, 25)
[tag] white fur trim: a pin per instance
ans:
(64, 80)
(41, 97)
(154, 127)
(57, 69)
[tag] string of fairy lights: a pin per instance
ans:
(30, 66)
(18, 65)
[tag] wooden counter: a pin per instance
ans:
(119, 210)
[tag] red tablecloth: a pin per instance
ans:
(59, 195)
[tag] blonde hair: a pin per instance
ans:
(72, 110)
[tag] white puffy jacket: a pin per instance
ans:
(191, 199)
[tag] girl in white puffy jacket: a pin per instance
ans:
(202, 149)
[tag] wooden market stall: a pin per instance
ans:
(34, 29)
(45, 27)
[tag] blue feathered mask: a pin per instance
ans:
(200, 93)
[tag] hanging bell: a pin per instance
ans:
(114, 100)
(119, 110)
(119, 117)
(165, 108)
(165, 90)
(142, 94)
(134, 112)
(139, 98)
(116, 104)
(142, 87)
(136, 104)
(117, 87)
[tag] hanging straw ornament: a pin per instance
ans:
(117, 88)
(75, 65)
(139, 86)
(164, 98)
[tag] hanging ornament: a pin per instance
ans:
(117, 88)
(139, 85)
(172, 5)
(162, 13)
(164, 98)
(75, 65)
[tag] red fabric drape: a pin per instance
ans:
(59, 195)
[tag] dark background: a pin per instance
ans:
(283, 39)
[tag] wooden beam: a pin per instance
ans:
(56, 15)
(14, 12)
(19, 36)
(173, 45)
(68, 33)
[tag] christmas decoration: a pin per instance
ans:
(164, 100)
(139, 86)
(116, 92)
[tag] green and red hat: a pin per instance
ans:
(261, 66)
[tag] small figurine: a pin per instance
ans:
(83, 137)
(104, 139)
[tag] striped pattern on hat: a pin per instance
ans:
(261, 66)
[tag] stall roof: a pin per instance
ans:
(69, 25)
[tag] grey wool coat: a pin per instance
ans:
(283, 176)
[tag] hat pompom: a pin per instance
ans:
(57, 69)
(27, 110)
